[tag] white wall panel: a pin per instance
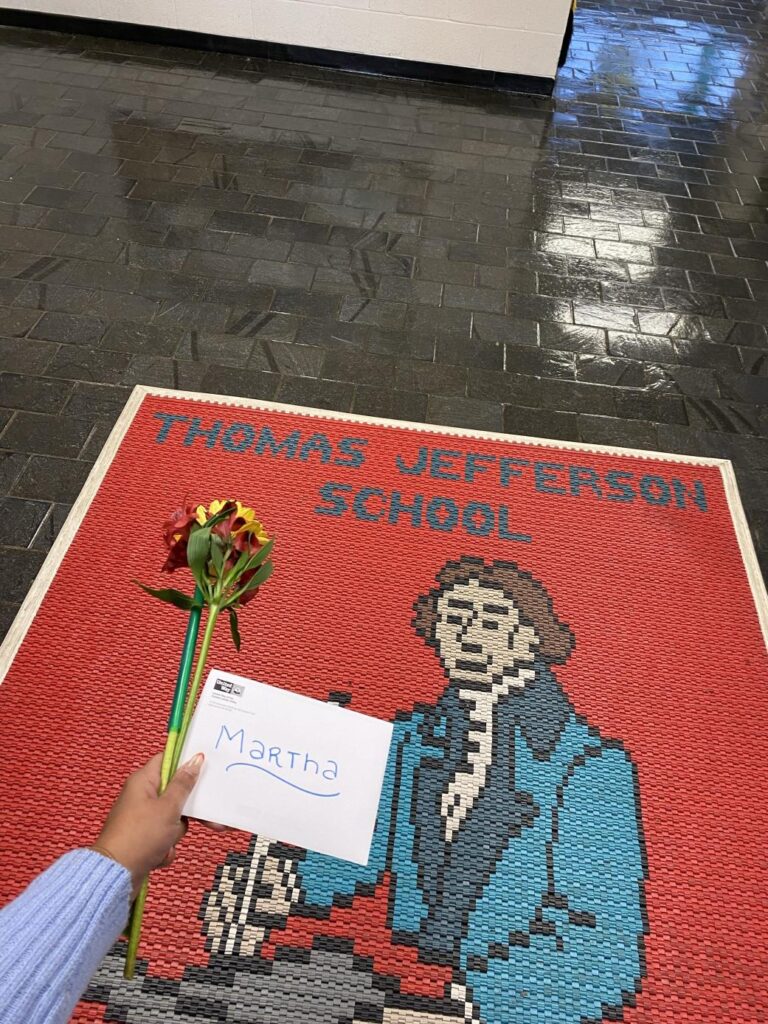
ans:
(217, 17)
(516, 36)
(140, 12)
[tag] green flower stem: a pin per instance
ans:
(185, 665)
(134, 930)
(166, 768)
(174, 722)
(213, 614)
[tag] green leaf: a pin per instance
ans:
(261, 555)
(260, 577)
(233, 628)
(217, 554)
(198, 555)
(238, 568)
(218, 518)
(170, 596)
(255, 581)
(246, 562)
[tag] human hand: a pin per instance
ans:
(143, 828)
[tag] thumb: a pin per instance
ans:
(183, 782)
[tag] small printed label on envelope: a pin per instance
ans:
(287, 766)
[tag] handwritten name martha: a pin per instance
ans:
(445, 513)
(295, 768)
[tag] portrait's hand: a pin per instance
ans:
(412, 1017)
(142, 828)
(251, 896)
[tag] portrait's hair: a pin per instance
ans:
(529, 596)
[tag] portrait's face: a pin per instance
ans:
(481, 640)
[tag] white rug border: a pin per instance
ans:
(50, 566)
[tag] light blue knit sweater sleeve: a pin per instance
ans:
(54, 935)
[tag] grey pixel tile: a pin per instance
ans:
(154, 257)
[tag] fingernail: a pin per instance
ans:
(193, 764)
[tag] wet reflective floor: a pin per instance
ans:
(591, 266)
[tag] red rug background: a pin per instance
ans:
(669, 658)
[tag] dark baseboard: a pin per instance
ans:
(338, 59)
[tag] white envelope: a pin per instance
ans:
(287, 766)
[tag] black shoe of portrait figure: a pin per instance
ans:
(509, 827)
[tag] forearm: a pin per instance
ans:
(55, 934)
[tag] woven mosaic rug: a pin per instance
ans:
(570, 641)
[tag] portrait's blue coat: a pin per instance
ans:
(544, 921)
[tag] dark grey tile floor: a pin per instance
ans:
(592, 266)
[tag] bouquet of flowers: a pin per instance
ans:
(228, 551)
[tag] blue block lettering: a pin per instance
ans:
(286, 447)
(350, 447)
(581, 476)
(168, 419)
(362, 496)
(683, 492)
(417, 468)
(504, 531)
(508, 468)
(614, 480)
(655, 490)
(233, 443)
(396, 506)
(478, 519)
(441, 462)
(545, 474)
(474, 465)
(338, 505)
(445, 508)
(196, 429)
(316, 443)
